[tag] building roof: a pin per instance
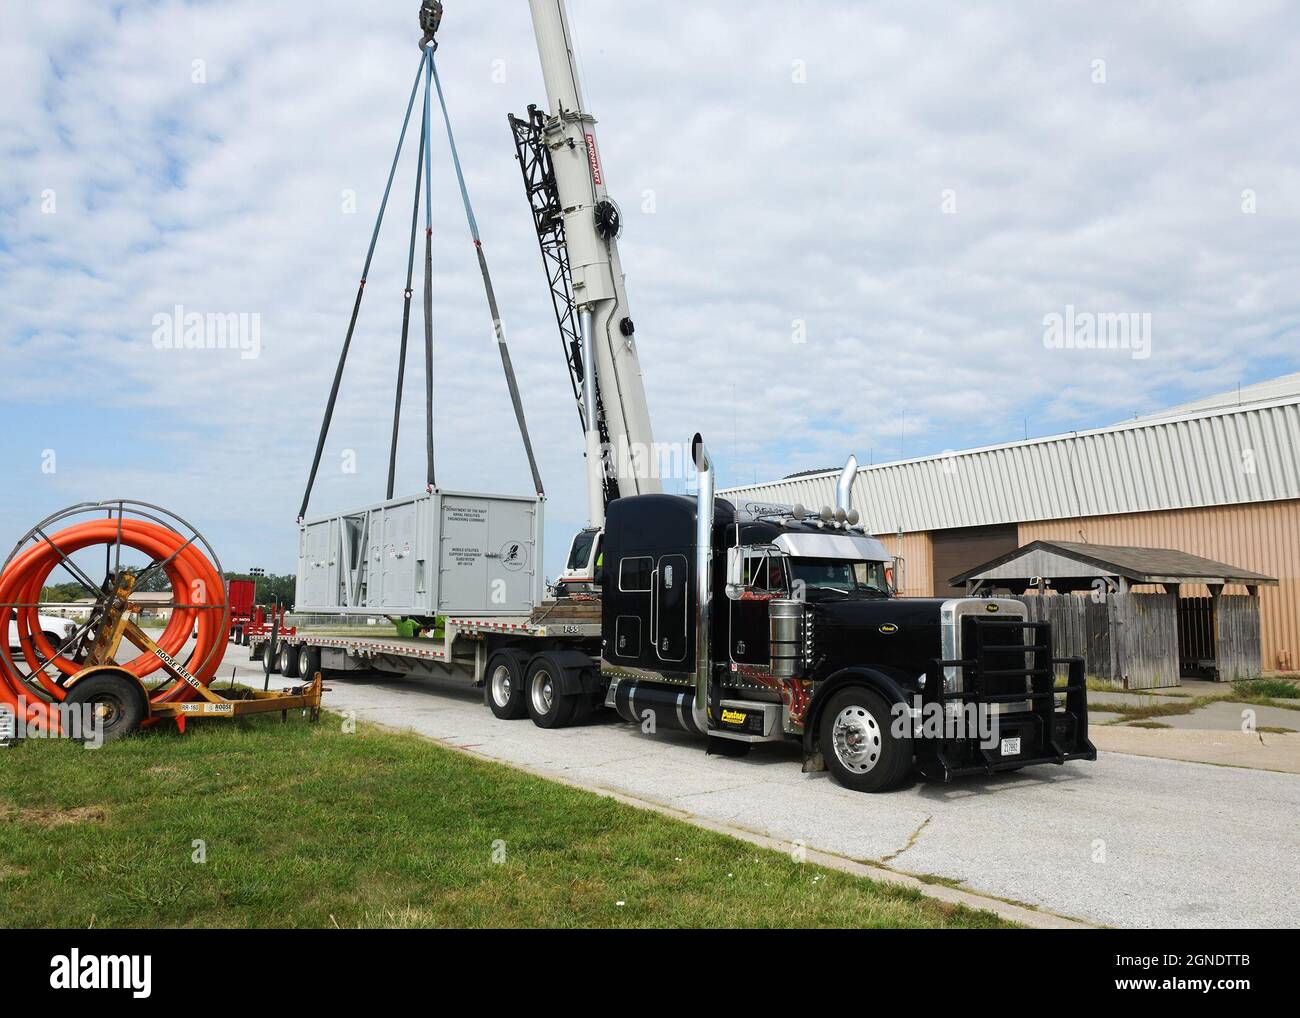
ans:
(1053, 560)
(1220, 455)
(1281, 387)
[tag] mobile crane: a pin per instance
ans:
(741, 623)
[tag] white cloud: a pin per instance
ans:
(774, 201)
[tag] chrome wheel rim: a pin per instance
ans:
(501, 685)
(543, 692)
(856, 739)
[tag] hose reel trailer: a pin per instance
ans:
(170, 675)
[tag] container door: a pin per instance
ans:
(510, 565)
(465, 540)
(314, 565)
(399, 558)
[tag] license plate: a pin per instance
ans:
(1010, 747)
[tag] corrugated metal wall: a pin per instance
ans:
(918, 569)
(1264, 537)
(1220, 457)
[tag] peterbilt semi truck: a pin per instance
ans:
(738, 622)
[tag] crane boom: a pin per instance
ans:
(613, 392)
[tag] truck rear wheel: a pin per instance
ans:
(308, 662)
(288, 661)
(505, 689)
(548, 706)
(858, 743)
(270, 661)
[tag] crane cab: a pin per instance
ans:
(582, 569)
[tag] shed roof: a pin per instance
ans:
(1058, 559)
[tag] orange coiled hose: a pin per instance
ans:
(198, 591)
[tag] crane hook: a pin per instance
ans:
(430, 19)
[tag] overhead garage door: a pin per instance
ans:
(955, 551)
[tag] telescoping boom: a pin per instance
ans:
(612, 383)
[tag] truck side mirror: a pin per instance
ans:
(739, 585)
(735, 573)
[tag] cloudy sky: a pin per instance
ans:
(846, 224)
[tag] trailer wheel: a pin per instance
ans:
(547, 705)
(308, 661)
(270, 662)
(236, 635)
(504, 689)
(119, 706)
(288, 661)
(243, 636)
(858, 743)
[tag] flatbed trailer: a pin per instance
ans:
(497, 653)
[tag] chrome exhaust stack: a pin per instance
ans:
(703, 579)
(844, 493)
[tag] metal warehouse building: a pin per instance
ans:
(1218, 478)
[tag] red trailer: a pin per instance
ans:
(240, 595)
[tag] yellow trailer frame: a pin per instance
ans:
(117, 626)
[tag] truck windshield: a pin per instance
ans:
(841, 576)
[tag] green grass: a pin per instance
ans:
(309, 826)
(1280, 689)
(1239, 692)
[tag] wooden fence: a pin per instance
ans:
(1133, 639)
(1237, 636)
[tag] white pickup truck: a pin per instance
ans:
(56, 630)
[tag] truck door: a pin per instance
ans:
(670, 608)
(750, 633)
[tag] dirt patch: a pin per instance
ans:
(11, 872)
(49, 816)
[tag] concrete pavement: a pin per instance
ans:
(1127, 841)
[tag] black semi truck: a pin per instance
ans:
(751, 623)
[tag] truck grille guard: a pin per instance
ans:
(1047, 734)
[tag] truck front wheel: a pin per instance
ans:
(858, 743)
(548, 705)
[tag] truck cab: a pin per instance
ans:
(809, 641)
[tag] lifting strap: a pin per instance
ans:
(361, 289)
(498, 328)
(424, 174)
(428, 273)
(406, 304)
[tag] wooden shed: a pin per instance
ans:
(1141, 617)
